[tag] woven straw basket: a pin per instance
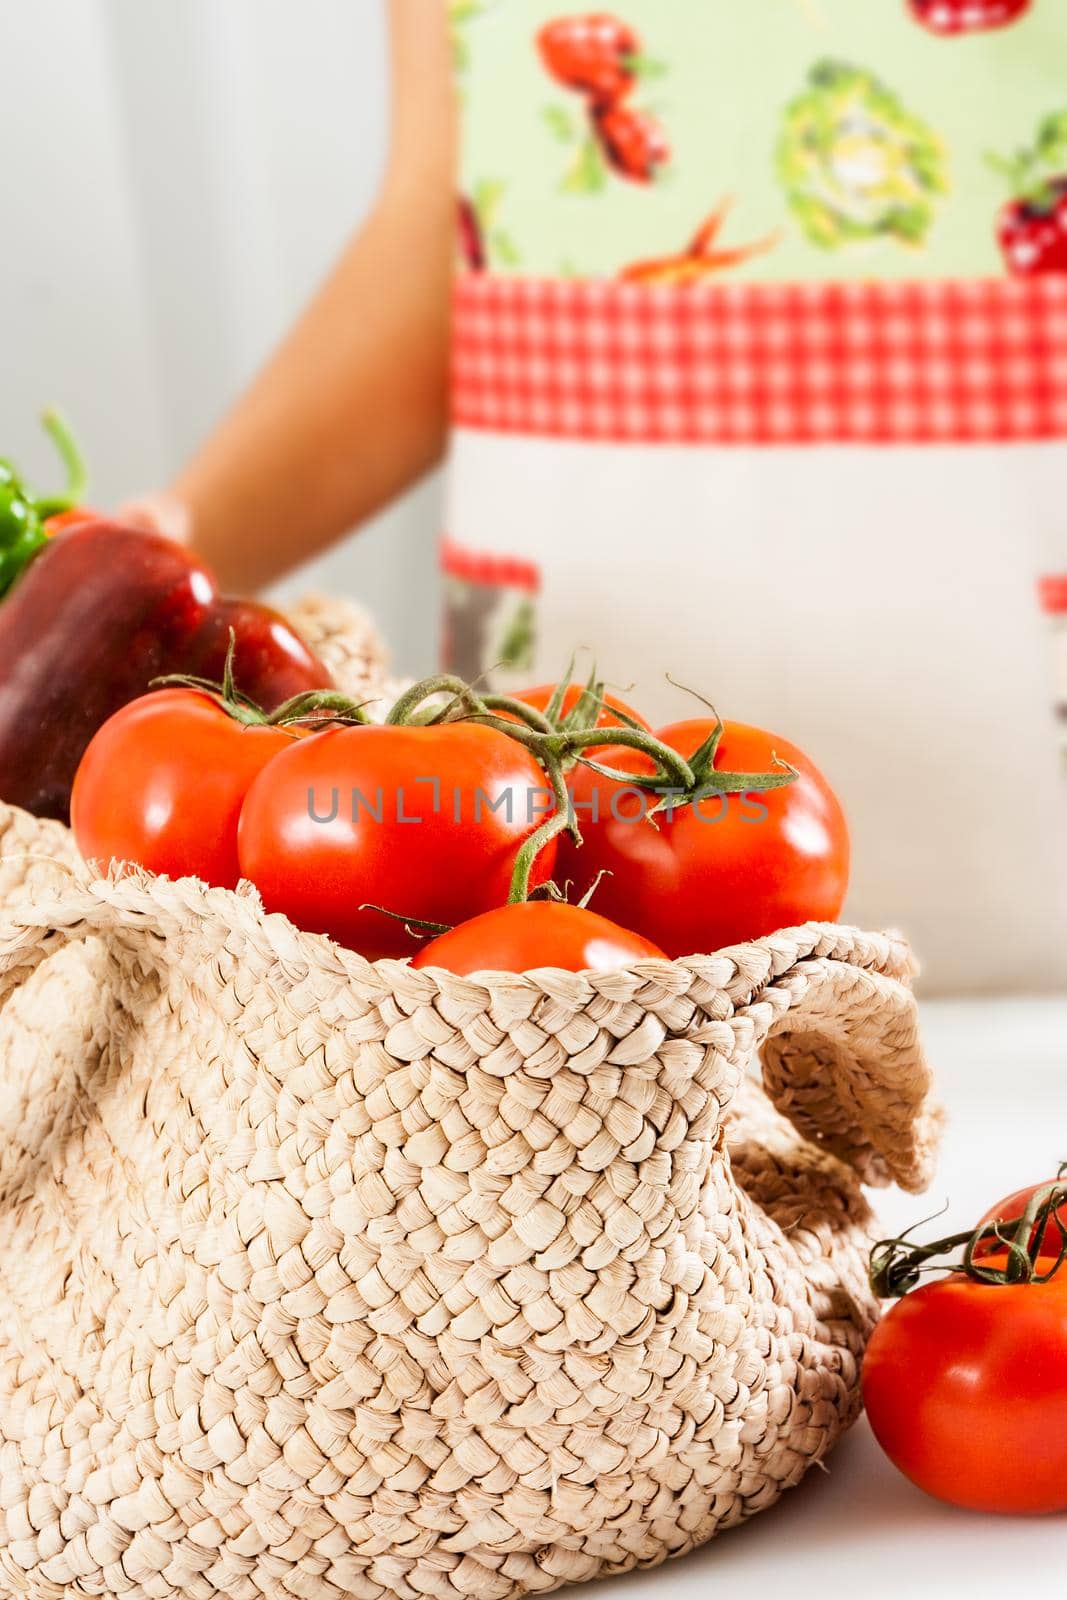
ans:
(326, 1279)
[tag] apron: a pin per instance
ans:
(760, 380)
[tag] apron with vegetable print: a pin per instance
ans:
(760, 379)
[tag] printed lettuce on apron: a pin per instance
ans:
(460, 13)
(856, 164)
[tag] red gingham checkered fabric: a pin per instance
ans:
(864, 363)
(484, 567)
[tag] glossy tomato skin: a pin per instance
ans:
(728, 870)
(541, 933)
(162, 784)
(392, 817)
(964, 1388)
(540, 696)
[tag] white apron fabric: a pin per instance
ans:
(875, 606)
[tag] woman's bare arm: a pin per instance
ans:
(352, 407)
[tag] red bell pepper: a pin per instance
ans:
(99, 611)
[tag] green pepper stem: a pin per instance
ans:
(74, 465)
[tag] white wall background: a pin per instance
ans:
(175, 178)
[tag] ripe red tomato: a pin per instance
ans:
(964, 1388)
(396, 817)
(541, 933)
(1011, 1210)
(541, 696)
(730, 868)
(162, 784)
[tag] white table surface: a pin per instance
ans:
(860, 1526)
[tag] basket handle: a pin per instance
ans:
(149, 914)
(843, 1061)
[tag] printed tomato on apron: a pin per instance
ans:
(760, 380)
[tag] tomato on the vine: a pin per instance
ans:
(539, 933)
(730, 867)
(426, 823)
(964, 1384)
(162, 783)
(543, 694)
(1013, 1208)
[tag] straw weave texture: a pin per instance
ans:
(330, 1280)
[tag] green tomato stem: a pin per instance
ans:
(533, 718)
(676, 770)
(411, 700)
(414, 925)
(318, 705)
(897, 1265)
(557, 742)
(550, 829)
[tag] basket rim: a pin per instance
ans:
(741, 970)
(145, 899)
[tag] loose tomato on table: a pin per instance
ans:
(539, 933)
(424, 822)
(964, 1384)
(162, 783)
(963, 1379)
(728, 868)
